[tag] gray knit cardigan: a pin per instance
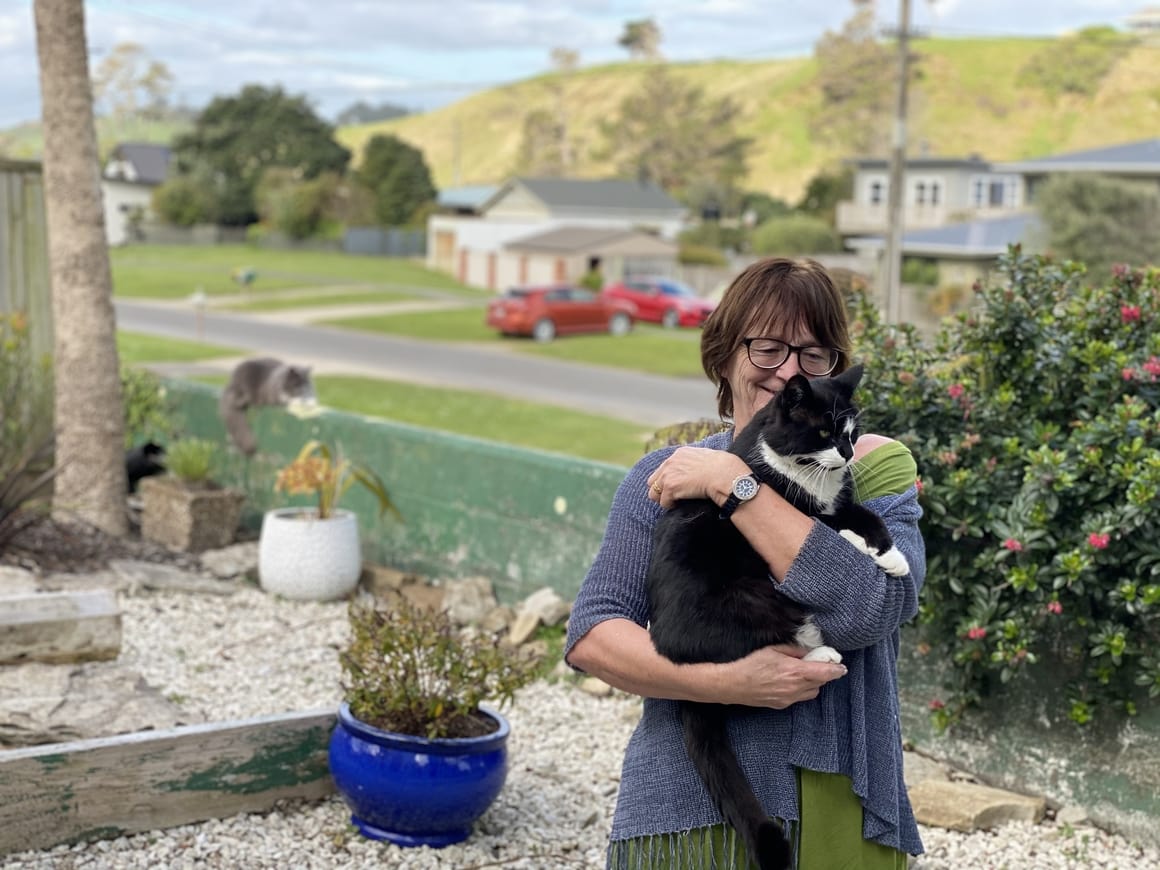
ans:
(851, 728)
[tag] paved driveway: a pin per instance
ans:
(650, 400)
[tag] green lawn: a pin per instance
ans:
(507, 421)
(676, 353)
(176, 271)
(135, 348)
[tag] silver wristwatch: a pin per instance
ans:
(745, 487)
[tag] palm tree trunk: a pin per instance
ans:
(90, 484)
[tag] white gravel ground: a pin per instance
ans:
(250, 655)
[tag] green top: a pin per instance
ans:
(885, 470)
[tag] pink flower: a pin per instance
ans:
(976, 632)
(1128, 313)
(1127, 374)
(906, 378)
(1098, 540)
(936, 704)
(1152, 367)
(1054, 607)
(1013, 545)
(955, 390)
(918, 484)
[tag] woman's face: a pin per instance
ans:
(752, 386)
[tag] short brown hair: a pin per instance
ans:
(770, 296)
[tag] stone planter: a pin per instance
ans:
(186, 517)
(308, 559)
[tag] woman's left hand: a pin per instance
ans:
(694, 472)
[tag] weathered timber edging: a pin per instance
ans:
(60, 627)
(107, 787)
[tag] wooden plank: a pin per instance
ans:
(108, 787)
(59, 627)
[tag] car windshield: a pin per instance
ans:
(516, 293)
(675, 288)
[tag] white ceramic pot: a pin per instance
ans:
(308, 559)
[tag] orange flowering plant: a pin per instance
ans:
(327, 474)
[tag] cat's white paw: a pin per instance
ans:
(823, 654)
(893, 563)
(858, 541)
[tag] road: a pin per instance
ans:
(650, 400)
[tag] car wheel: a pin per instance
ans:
(544, 330)
(619, 324)
(671, 319)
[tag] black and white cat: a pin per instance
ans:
(712, 599)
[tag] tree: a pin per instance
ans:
(1101, 221)
(362, 112)
(131, 85)
(399, 178)
(823, 193)
(547, 147)
(297, 207)
(668, 133)
(90, 482)
(856, 74)
(642, 38)
(235, 139)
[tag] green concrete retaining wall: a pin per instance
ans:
(528, 519)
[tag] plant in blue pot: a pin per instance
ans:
(417, 754)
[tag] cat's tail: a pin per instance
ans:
(707, 744)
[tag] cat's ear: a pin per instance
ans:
(850, 378)
(797, 390)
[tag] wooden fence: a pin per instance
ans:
(24, 282)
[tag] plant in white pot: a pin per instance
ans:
(314, 553)
(416, 755)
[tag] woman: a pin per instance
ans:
(822, 746)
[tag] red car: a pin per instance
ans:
(545, 312)
(662, 300)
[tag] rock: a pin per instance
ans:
(595, 687)
(237, 560)
(423, 595)
(468, 600)
(548, 605)
(524, 626)
(967, 807)
(381, 581)
(918, 768)
(1072, 814)
(497, 620)
(64, 582)
(17, 581)
(150, 575)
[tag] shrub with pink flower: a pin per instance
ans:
(1034, 420)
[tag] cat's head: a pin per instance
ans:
(813, 421)
(296, 383)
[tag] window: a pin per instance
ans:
(995, 191)
(935, 192)
(920, 193)
(876, 192)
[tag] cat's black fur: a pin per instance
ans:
(264, 381)
(144, 460)
(711, 597)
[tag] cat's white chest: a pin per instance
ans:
(823, 478)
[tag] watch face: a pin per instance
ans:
(745, 488)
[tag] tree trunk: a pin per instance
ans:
(90, 483)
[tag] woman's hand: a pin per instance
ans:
(695, 472)
(776, 676)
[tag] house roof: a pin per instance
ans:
(974, 162)
(1133, 157)
(469, 198)
(139, 162)
(610, 194)
(978, 239)
(592, 240)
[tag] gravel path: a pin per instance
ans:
(250, 655)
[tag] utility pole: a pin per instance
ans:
(892, 259)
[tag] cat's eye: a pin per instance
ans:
(825, 433)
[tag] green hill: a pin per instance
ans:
(968, 101)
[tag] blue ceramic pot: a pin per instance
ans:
(413, 791)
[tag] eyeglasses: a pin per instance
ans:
(769, 353)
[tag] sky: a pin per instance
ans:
(426, 53)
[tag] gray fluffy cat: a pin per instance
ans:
(263, 381)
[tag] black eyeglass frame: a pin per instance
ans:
(792, 349)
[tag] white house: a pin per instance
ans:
(473, 242)
(130, 175)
